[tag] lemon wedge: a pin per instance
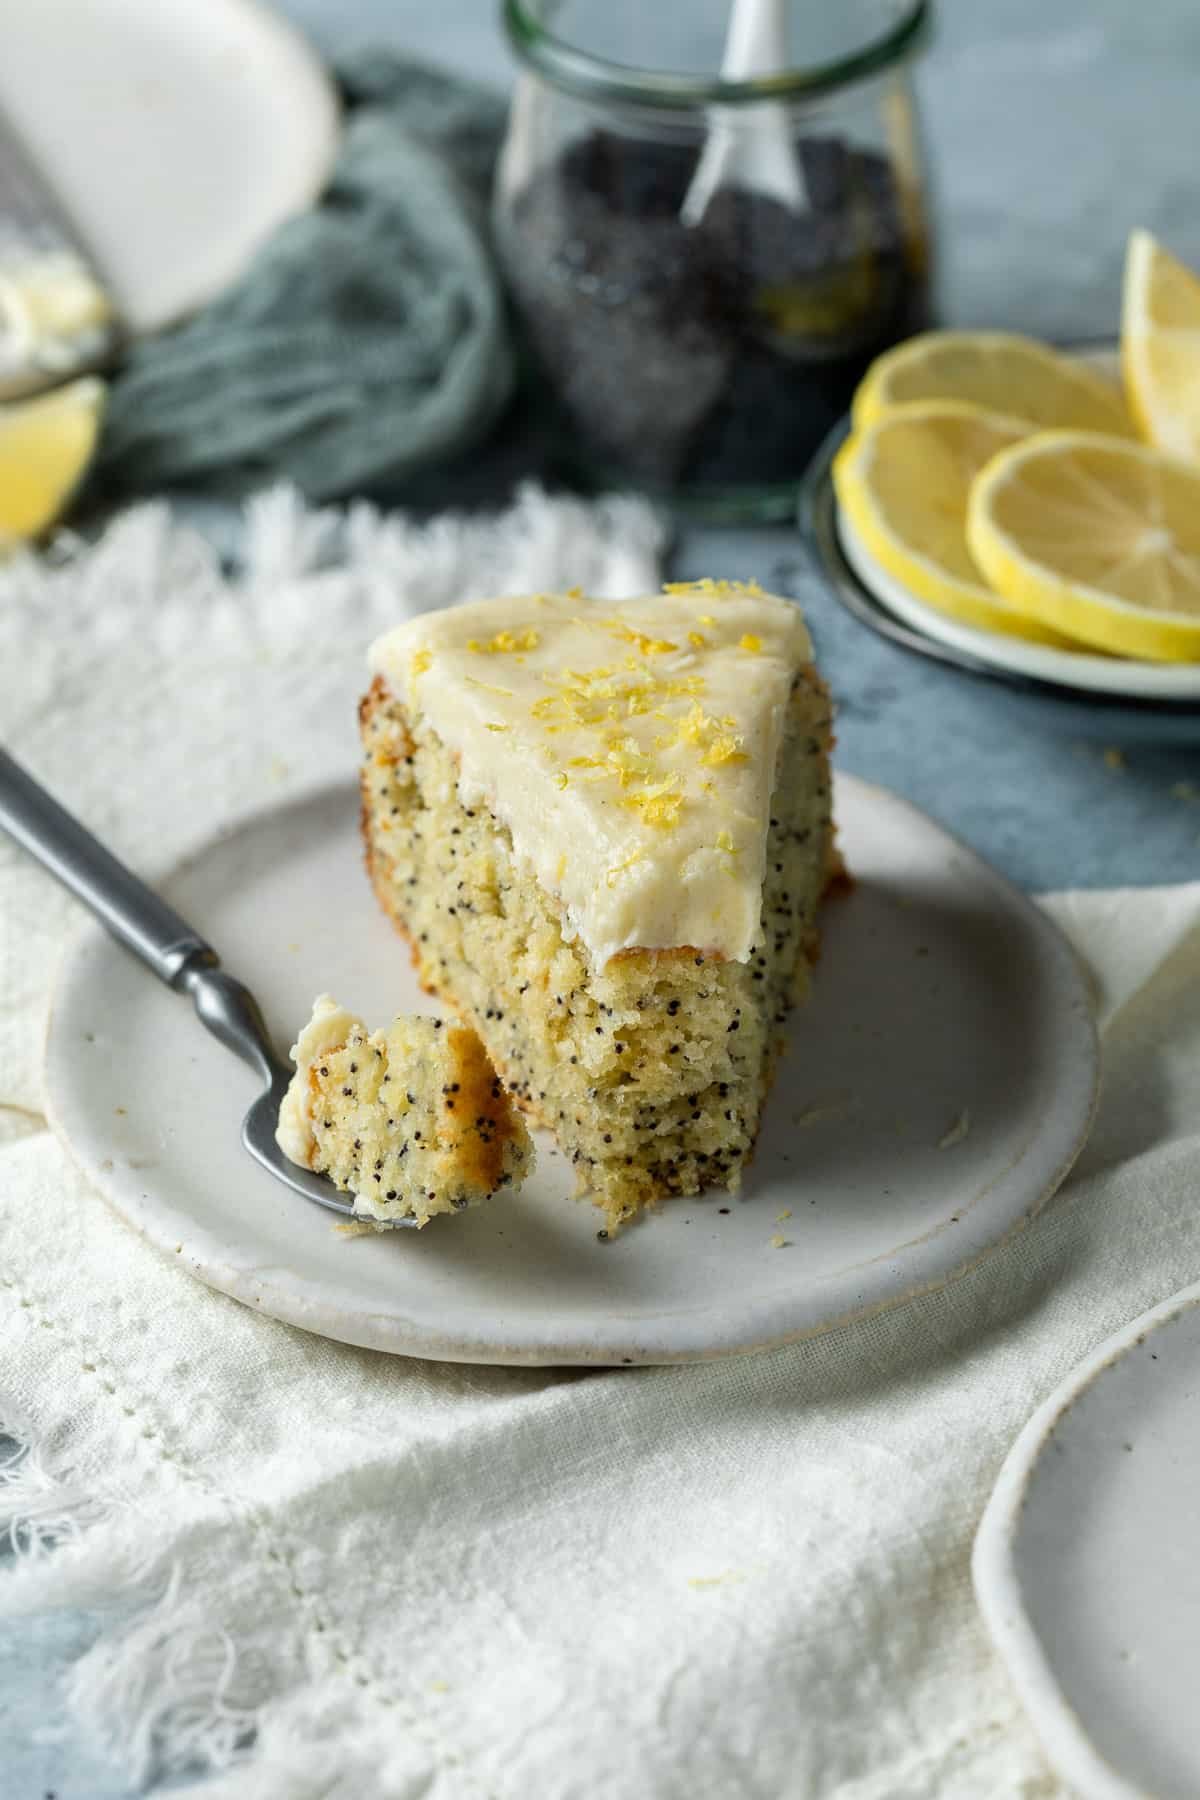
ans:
(1096, 538)
(1160, 346)
(45, 447)
(997, 371)
(903, 485)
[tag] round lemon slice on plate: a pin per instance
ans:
(1095, 538)
(903, 484)
(45, 447)
(1160, 346)
(997, 371)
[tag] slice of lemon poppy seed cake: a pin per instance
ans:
(605, 830)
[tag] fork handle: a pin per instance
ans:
(134, 915)
(126, 906)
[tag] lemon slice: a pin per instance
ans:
(45, 447)
(1160, 346)
(1096, 538)
(903, 485)
(999, 372)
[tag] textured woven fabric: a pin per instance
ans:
(367, 340)
(322, 1573)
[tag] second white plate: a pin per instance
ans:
(1087, 1570)
(1117, 675)
(176, 135)
(936, 1090)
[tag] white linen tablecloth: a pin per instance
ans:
(326, 1573)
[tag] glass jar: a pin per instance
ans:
(703, 268)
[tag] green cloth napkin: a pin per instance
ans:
(367, 341)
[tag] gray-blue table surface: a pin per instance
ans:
(1051, 132)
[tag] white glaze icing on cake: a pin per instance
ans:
(328, 1029)
(630, 748)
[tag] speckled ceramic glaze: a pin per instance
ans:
(936, 1090)
(1087, 1568)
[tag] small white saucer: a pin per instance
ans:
(937, 1089)
(177, 135)
(1113, 698)
(1086, 1564)
(1069, 668)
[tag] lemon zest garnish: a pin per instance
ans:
(610, 879)
(560, 781)
(421, 660)
(697, 640)
(716, 590)
(498, 728)
(748, 641)
(699, 730)
(505, 693)
(562, 867)
(692, 727)
(506, 643)
(574, 593)
(628, 766)
(724, 749)
(658, 803)
(649, 646)
(726, 847)
(707, 619)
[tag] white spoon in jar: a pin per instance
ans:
(749, 145)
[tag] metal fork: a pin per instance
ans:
(173, 951)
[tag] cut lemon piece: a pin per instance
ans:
(997, 371)
(1095, 538)
(45, 447)
(903, 485)
(1160, 346)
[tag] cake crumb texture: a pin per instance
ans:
(411, 1121)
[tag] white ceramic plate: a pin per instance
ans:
(177, 134)
(1087, 1564)
(947, 1011)
(1098, 674)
